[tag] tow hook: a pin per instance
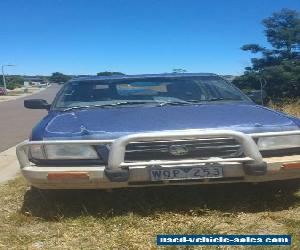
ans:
(255, 169)
(119, 175)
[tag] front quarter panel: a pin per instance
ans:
(39, 130)
(294, 119)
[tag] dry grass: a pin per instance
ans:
(131, 218)
(15, 93)
(290, 107)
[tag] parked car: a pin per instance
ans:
(3, 91)
(150, 130)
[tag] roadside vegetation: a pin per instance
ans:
(131, 218)
(276, 66)
(110, 73)
(59, 78)
(12, 82)
(290, 106)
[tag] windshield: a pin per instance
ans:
(151, 91)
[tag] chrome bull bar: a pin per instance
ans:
(117, 168)
(118, 147)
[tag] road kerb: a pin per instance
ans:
(9, 166)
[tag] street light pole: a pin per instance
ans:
(4, 83)
(3, 75)
(263, 83)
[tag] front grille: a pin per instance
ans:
(183, 149)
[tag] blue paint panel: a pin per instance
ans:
(104, 123)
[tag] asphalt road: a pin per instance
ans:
(16, 122)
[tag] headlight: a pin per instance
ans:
(37, 152)
(63, 152)
(278, 142)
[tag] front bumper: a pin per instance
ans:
(119, 174)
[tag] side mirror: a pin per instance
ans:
(36, 104)
(258, 96)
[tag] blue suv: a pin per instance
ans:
(162, 129)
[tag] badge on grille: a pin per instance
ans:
(177, 150)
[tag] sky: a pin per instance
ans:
(131, 36)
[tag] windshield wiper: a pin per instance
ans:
(77, 107)
(222, 99)
(107, 105)
(124, 103)
(189, 102)
(175, 103)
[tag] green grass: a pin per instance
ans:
(131, 218)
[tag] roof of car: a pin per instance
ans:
(116, 77)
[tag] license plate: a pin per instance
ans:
(204, 172)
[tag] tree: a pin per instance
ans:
(178, 71)
(283, 31)
(58, 77)
(13, 82)
(109, 73)
(280, 64)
